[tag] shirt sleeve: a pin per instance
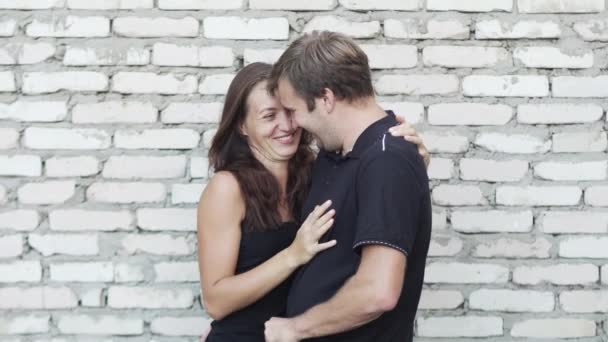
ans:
(388, 203)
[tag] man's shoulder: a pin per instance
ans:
(391, 148)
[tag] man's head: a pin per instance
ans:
(318, 71)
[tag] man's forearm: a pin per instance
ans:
(354, 305)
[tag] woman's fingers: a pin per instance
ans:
(325, 245)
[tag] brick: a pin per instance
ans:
(186, 193)
(465, 273)
(463, 326)
(99, 325)
(538, 195)
(123, 297)
(382, 56)
(558, 113)
(199, 167)
(492, 221)
(130, 167)
(150, 83)
(416, 28)
(246, 28)
(575, 86)
(179, 326)
(354, 29)
(7, 81)
(511, 300)
(91, 298)
(114, 112)
(311, 5)
(470, 5)
(191, 55)
(513, 248)
(269, 56)
(474, 114)
(444, 142)
(572, 142)
(179, 271)
(52, 82)
(115, 54)
(560, 6)
(513, 143)
(157, 219)
(465, 56)
(31, 4)
(26, 53)
(89, 220)
(553, 58)
(457, 195)
(155, 27)
(522, 29)
(440, 219)
(554, 328)
(9, 138)
(412, 112)
(110, 4)
(506, 86)
(69, 26)
(10, 246)
(558, 274)
(592, 29)
(568, 171)
(199, 4)
(34, 111)
(445, 246)
(215, 84)
(584, 247)
(582, 301)
(125, 193)
(71, 166)
(493, 170)
(170, 139)
(20, 165)
(43, 138)
(25, 324)
(37, 298)
(66, 244)
(82, 272)
(573, 222)
(441, 168)
(597, 196)
(417, 84)
(49, 192)
(3, 194)
(129, 272)
(604, 274)
(158, 244)
(440, 299)
(20, 220)
(189, 112)
(8, 27)
(208, 137)
(20, 271)
(381, 5)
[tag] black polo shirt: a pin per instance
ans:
(381, 195)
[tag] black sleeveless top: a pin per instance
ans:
(247, 324)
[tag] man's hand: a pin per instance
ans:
(280, 330)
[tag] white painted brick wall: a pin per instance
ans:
(108, 108)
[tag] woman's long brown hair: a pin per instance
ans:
(230, 151)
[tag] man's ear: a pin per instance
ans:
(328, 100)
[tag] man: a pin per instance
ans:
(367, 287)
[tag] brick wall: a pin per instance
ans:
(107, 108)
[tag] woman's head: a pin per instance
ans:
(254, 131)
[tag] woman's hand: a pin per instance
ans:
(306, 244)
(408, 133)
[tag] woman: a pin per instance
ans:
(249, 239)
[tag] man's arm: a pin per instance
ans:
(373, 290)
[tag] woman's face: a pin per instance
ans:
(271, 132)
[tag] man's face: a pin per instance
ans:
(316, 122)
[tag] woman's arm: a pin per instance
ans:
(219, 215)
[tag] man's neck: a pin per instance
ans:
(359, 119)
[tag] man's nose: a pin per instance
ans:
(287, 122)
